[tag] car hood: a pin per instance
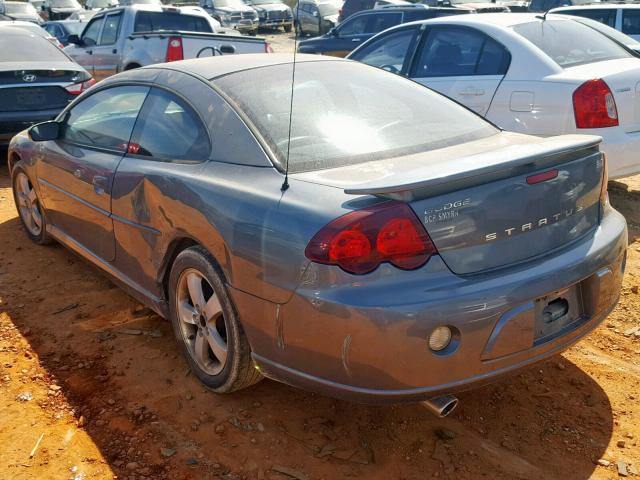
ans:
(271, 7)
(245, 8)
(332, 18)
(25, 17)
(64, 9)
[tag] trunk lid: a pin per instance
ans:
(475, 199)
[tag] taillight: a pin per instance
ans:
(360, 241)
(267, 48)
(604, 188)
(78, 88)
(594, 105)
(174, 50)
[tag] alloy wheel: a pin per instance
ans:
(28, 204)
(201, 321)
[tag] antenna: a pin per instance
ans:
(285, 184)
(543, 17)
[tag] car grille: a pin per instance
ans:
(33, 98)
(277, 15)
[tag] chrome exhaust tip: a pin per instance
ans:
(441, 406)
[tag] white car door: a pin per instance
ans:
(462, 63)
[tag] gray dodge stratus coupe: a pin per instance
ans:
(414, 250)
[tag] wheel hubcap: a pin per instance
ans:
(28, 204)
(202, 322)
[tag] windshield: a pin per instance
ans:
(65, 4)
(608, 31)
(155, 21)
(28, 48)
(74, 28)
(346, 113)
(229, 4)
(570, 43)
(20, 8)
(328, 9)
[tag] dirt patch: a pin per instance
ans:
(100, 376)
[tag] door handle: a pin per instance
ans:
(77, 173)
(115, 50)
(99, 184)
(355, 39)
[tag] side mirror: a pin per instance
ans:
(315, 13)
(333, 32)
(227, 49)
(75, 39)
(42, 132)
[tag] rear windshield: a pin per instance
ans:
(28, 48)
(570, 43)
(346, 113)
(154, 21)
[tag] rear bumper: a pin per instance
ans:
(366, 339)
(622, 149)
(14, 122)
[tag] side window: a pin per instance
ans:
(110, 30)
(606, 16)
(105, 119)
(450, 52)
(90, 34)
(170, 130)
(354, 25)
(631, 21)
(381, 22)
(389, 51)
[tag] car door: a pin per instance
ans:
(76, 171)
(105, 55)
(390, 51)
(83, 54)
(462, 63)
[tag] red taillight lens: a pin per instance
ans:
(78, 88)
(174, 50)
(361, 240)
(594, 105)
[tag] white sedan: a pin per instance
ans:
(525, 73)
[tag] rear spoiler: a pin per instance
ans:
(464, 172)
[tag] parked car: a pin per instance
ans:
(546, 5)
(123, 38)
(37, 4)
(82, 15)
(128, 3)
(353, 6)
(22, 11)
(315, 17)
(31, 28)
(232, 14)
(526, 74)
(59, 9)
(61, 29)
(272, 14)
(361, 26)
(100, 4)
(39, 82)
(413, 248)
(485, 6)
(623, 17)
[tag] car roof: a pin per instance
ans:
(505, 20)
(597, 6)
(213, 67)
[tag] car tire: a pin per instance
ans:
(287, 28)
(32, 214)
(206, 324)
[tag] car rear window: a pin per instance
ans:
(154, 21)
(570, 43)
(29, 48)
(346, 113)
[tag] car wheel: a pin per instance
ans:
(29, 207)
(287, 28)
(206, 324)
